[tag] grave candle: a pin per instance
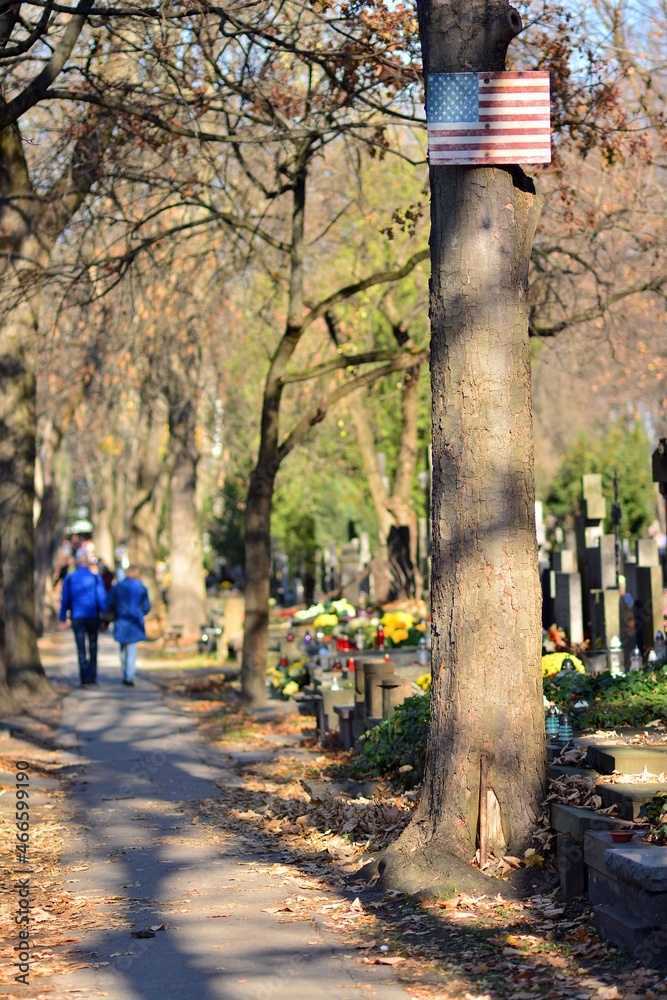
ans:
(553, 725)
(565, 731)
(636, 660)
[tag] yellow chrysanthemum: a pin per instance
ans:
(424, 682)
(553, 662)
(399, 635)
(290, 688)
(325, 619)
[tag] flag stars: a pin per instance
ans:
(452, 97)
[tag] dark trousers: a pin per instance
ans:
(89, 627)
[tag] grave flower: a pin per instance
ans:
(326, 622)
(552, 663)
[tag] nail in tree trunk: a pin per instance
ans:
(486, 699)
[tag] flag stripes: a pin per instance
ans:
(488, 118)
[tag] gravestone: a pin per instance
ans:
(567, 605)
(541, 534)
(644, 583)
(349, 571)
(647, 552)
(232, 622)
(605, 617)
(601, 564)
(563, 561)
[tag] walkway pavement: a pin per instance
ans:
(141, 769)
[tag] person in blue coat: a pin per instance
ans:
(129, 601)
(83, 598)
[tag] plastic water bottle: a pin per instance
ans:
(422, 653)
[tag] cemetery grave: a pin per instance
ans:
(613, 777)
(348, 668)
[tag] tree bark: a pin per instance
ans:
(486, 696)
(257, 585)
(144, 520)
(187, 591)
(18, 426)
(29, 226)
(392, 509)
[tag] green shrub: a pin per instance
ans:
(632, 700)
(655, 811)
(398, 741)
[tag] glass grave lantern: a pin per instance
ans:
(565, 731)
(553, 725)
(616, 663)
(636, 660)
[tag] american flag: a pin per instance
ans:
(488, 118)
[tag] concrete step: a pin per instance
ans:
(607, 758)
(613, 923)
(563, 770)
(629, 798)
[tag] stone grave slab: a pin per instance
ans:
(607, 758)
(606, 886)
(614, 923)
(571, 825)
(629, 798)
(563, 770)
(640, 864)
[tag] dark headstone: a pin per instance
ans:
(567, 605)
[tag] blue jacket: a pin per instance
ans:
(129, 601)
(83, 595)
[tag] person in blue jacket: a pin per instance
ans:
(83, 598)
(129, 601)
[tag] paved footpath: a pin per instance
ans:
(139, 762)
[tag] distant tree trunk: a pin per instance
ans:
(187, 591)
(257, 584)
(146, 499)
(103, 502)
(46, 542)
(486, 699)
(394, 509)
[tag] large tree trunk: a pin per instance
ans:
(187, 591)
(18, 366)
(257, 584)
(486, 699)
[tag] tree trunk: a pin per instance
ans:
(144, 521)
(393, 511)
(187, 591)
(18, 366)
(257, 581)
(486, 698)
(8, 703)
(46, 543)
(143, 547)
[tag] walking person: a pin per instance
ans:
(129, 602)
(83, 598)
